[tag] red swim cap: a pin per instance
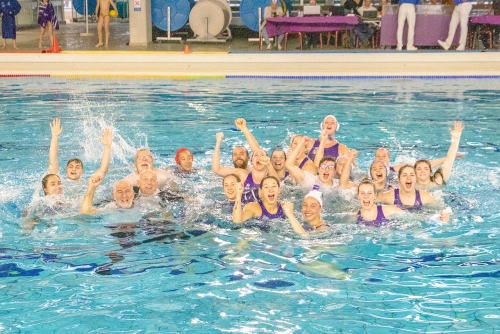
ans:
(179, 151)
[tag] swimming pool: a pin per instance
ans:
(84, 274)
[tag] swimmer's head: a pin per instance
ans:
(123, 194)
(382, 154)
(229, 183)
(366, 193)
(257, 156)
(326, 170)
(340, 163)
(294, 142)
(51, 185)
(184, 159)
(143, 160)
(148, 182)
(407, 178)
(74, 169)
(311, 206)
(270, 189)
(278, 158)
(378, 171)
(423, 169)
(240, 157)
(330, 124)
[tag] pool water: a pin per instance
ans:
(198, 271)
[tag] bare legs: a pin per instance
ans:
(103, 21)
(42, 32)
(5, 44)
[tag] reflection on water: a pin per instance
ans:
(195, 269)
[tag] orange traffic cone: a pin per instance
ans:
(55, 46)
(186, 50)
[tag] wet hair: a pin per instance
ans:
(78, 161)
(329, 158)
(278, 150)
(270, 177)
(143, 150)
(367, 181)
(258, 150)
(403, 167)
(179, 151)
(243, 147)
(45, 180)
(439, 171)
(386, 169)
(228, 175)
(123, 180)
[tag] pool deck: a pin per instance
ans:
(237, 57)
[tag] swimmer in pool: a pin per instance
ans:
(371, 214)
(266, 209)
(344, 181)
(261, 166)
(407, 197)
(378, 174)
(330, 146)
(144, 161)
(340, 159)
(311, 213)
(74, 167)
(103, 20)
(302, 160)
(423, 168)
(229, 183)
(184, 160)
(123, 195)
(51, 185)
(149, 195)
(278, 158)
(324, 179)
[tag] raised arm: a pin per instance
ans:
(346, 172)
(270, 168)
(107, 141)
(56, 130)
(88, 199)
(452, 151)
(216, 167)
(321, 148)
(295, 172)
(241, 215)
(288, 211)
(241, 124)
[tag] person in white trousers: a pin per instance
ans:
(407, 13)
(460, 15)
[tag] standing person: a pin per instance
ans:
(272, 11)
(103, 5)
(46, 20)
(8, 11)
(460, 15)
(407, 13)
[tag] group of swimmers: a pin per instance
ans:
(321, 168)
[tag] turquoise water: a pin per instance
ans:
(202, 273)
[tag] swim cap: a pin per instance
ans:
(179, 151)
(324, 119)
(318, 195)
(341, 157)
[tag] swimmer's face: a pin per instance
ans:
(240, 157)
(423, 171)
(330, 124)
(74, 171)
(383, 155)
(311, 209)
(366, 196)
(186, 160)
(270, 191)
(229, 187)
(340, 165)
(407, 179)
(378, 171)
(143, 160)
(326, 171)
(147, 182)
(295, 142)
(53, 186)
(123, 195)
(257, 156)
(278, 160)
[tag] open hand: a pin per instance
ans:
(107, 137)
(55, 127)
(456, 132)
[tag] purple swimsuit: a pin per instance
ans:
(416, 205)
(249, 184)
(328, 152)
(268, 216)
(379, 221)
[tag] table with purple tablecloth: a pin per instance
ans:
(428, 30)
(281, 25)
(493, 20)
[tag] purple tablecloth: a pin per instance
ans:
(486, 19)
(428, 30)
(280, 25)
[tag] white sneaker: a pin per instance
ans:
(411, 48)
(461, 48)
(443, 45)
(268, 47)
(279, 47)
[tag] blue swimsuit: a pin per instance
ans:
(328, 152)
(268, 216)
(416, 205)
(379, 221)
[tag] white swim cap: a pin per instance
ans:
(324, 119)
(318, 195)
